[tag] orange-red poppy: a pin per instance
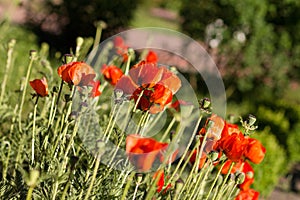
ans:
(247, 195)
(121, 47)
(40, 86)
(76, 73)
(229, 129)
(111, 73)
(142, 152)
(178, 103)
(234, 146)
(255, 151)
(161, 181)
(95, 88)
(151, 57)
(157, 85)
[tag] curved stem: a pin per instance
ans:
(215, 181)
(97, 163)
(32, 58)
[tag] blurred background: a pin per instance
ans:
(255, 44)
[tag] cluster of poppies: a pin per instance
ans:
(239, 149)
(78, 74)
(152, 88)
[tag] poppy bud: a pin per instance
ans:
(251, 120)
(33, 54)
(213, 155)
(11, 43)
(139, 177)
(100, 24)
(178, 186)
(33, 178)
(79, 41)
(205, 103)
(240, 177)
(67, 58)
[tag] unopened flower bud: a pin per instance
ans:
(251, 120)
(240, 177)
(250, 174)
(219, 180)
(67, 58)
(100, 24)
(139, 178)
(178, 186)
(100, 147)
(33, 54)
(213, 155)
(130, 51)
(205, 103)
(79, 41)
(118, 94)
(33, 178)
(11, 43)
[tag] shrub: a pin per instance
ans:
(60, 22)
(274, 165)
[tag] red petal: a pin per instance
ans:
(146, 75)
(126, 85)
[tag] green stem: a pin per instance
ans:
(232, 189)
(10, 50)
(215, 181)
(137, 102)
(70, 144)
(224, 181)
(185, 152)
(202, 183)
(93, 178)
(52, 114)
(128, 64)
(97, 36)
(110, 121)
(29, 193)
(32, 58)
(127, 186)
(167, 131)
(33, 130)
(4, 171)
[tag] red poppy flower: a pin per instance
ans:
(247, 195)
(255, 151)
(178, 103)
(111, 73)
(142, 152)
(121, 47)
(95, 88)
(157, 85)
(234, 146)
(76, 73)
(202, 159)
(40, 86)
(161, 181)
(151, 57)
(229, 129)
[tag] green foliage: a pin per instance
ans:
(259, 44)
(62, 21)
(25, 41)
(273, 166)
